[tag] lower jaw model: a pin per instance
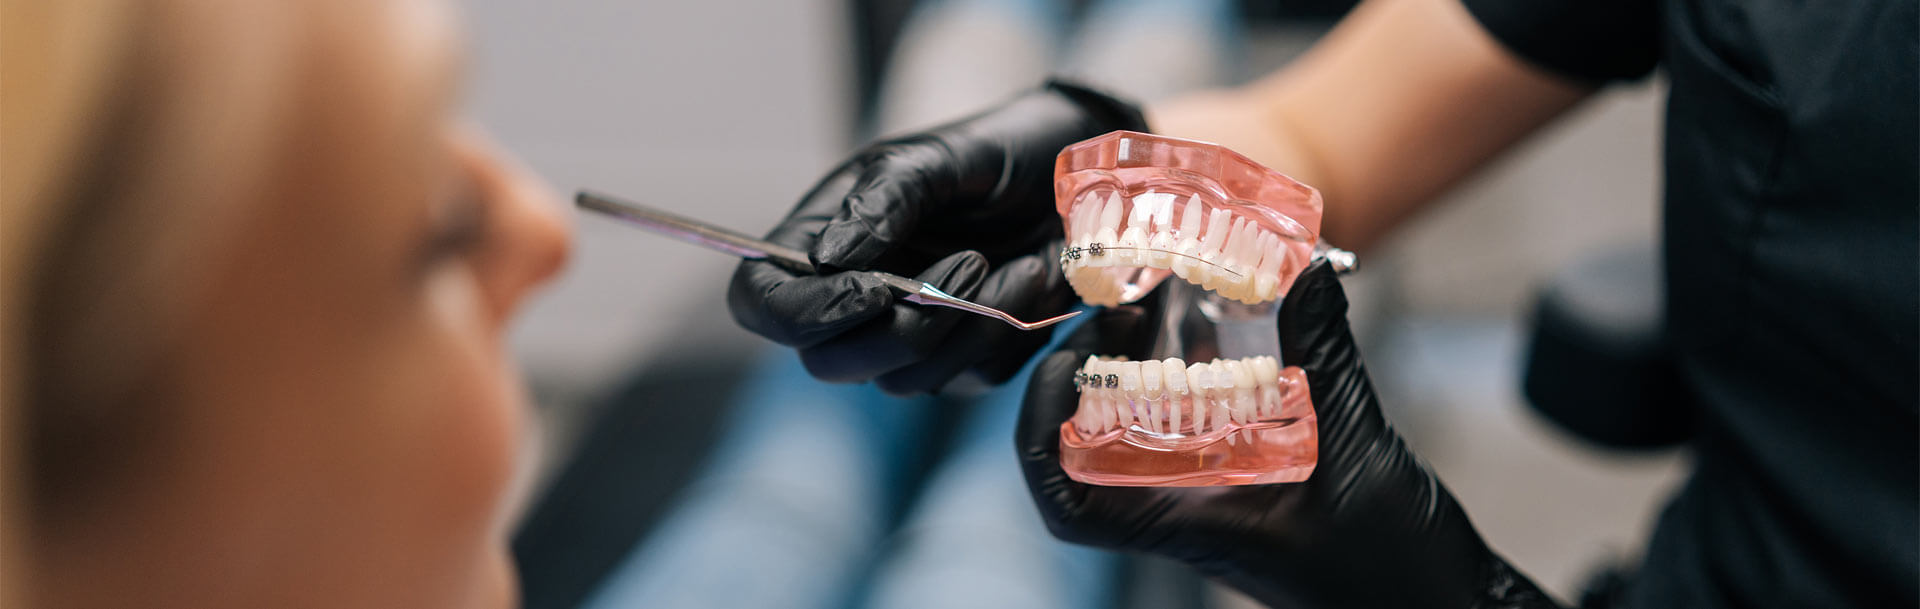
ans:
(1169, 423)
(1213, 406)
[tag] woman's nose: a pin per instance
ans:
(529, 221)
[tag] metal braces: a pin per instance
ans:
(1083, 381)
(1073, 253)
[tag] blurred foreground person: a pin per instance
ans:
(257, 275)
(1792, 267)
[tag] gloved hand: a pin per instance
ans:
(1373, 527)
(968, 207)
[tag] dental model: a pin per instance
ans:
(1138, 209)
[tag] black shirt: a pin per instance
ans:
(1792, 257)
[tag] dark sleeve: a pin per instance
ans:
(1595, 41)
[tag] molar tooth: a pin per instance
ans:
(1266, 370)
(1238, 371)
(1270, 401)
(1266, 277)
(1221, 417)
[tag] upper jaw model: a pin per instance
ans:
(1140, 208)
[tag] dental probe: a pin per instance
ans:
(716, 238)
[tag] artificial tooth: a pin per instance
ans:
(1142, 212)
(1200, 377)
(1218, 225)
(1160, 246)
(1151, 377)
(1176, 375)
(1266, 370)
(1230, 250)
(1153, 416)
(1270, 401)
(1132, 243)
(1174, 415)
(1267, 276)
(1129, 377)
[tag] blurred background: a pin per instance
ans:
(727, 111)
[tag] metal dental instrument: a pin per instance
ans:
(714, 237)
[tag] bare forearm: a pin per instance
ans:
(1404, 99)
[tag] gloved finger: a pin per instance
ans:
(1029, 287)
(803, 310)
(1314, 332)
(1050, 400)
(882, 209)
(905, 333)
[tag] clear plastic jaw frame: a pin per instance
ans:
(1211, 405)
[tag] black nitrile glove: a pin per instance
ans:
(968, 207)
(1373, 527)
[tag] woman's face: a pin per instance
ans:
(347, 422)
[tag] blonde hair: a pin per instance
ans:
(127, 131)
(55, 58)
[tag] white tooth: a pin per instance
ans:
(1246, 253)
(1243, 390)
(1161, 246)
(1265, 370)
(1105, 238)
(1151, 377)
(1163, 211)
(1113, 212)
(1230, 249)
(1270, 401)
(1192, 218)
(1266, 276)
(1220, 417)
(1200, 377)
(1176, 375)
(1142, 213)
(1173, 414)
(1242, 375)
(1154, 414)
(1133, 242)
(1129, 377)
(1218, 226)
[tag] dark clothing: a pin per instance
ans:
(1792, 256)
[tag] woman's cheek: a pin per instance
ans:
(481, 433)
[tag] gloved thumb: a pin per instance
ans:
(1314, 332)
